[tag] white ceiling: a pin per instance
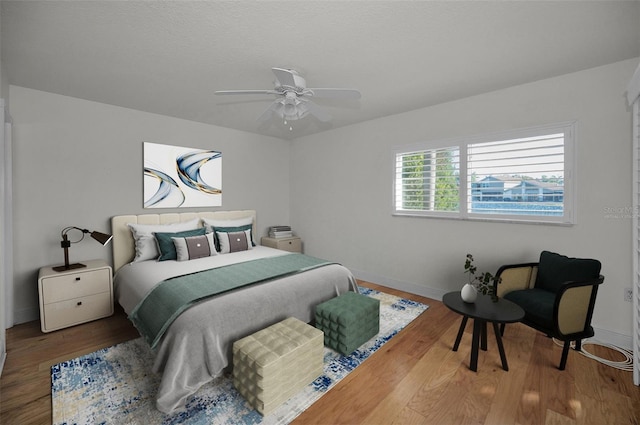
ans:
(169, 57)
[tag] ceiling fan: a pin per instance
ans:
(293, 98)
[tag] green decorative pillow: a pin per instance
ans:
(224, 226)
(245, 228)
(165, 244)
(555, 269)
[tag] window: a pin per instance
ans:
(521, 175)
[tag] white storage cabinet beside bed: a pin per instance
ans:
(75, 296)
(197, 346)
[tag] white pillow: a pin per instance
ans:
(193, 247)
(234, 241)
(146, 247)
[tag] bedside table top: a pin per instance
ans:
(286, 238)
(91, 265)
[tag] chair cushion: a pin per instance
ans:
(555, 269)
(537, 305)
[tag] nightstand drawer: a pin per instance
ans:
(293, 244)
(75, 285)
(71, 312)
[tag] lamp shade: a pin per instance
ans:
(103, 238)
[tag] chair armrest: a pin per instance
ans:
(573, 308)
(514, 277)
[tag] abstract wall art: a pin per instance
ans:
(179, 177)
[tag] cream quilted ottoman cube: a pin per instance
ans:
(273, 364)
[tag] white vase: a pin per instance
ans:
(469, 293)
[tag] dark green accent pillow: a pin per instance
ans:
(216, 229)
(555, 269)
(165, 244)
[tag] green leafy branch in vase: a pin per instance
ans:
(484, 282)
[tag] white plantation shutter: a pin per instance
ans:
(520, 175)
(427, 180)
(633, 96)
(636, 241)
(527, 173)
(6, 258)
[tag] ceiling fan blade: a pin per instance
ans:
(268, 113)
(285, 77)
(224, 92)
(336, 93)
(293, 98)
(317, 111)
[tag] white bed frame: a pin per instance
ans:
(123, 244)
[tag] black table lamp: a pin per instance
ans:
(103, 238)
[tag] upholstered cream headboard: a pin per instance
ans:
(123, 245)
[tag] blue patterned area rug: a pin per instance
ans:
(116, 385)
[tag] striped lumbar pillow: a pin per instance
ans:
(234, 241)
(190, 248)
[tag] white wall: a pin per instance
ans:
(78, 163)
(341, 185)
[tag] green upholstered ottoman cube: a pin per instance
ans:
(348, 321)
(275, 363)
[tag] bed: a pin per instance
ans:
(196, 347)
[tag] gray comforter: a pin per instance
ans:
(197, 346)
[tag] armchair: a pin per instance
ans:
(557, 293)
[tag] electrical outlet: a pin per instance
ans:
(628, 294)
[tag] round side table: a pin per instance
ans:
(484, 310)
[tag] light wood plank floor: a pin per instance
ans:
(413, 379)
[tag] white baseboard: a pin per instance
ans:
(613, 338)
(601, 335)
(423, 291)
(3, 358)
(26, 315)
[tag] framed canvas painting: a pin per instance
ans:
(179, 177)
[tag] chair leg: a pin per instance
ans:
(578, 346)
(502, 326)
(565, 354)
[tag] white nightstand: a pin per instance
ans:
(75, 296)
(292, 244)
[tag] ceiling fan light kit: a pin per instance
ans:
(293, 98)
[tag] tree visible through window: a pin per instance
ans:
(429, 180)
(447, 181)
(522, 175)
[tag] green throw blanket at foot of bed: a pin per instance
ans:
(162, 305)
